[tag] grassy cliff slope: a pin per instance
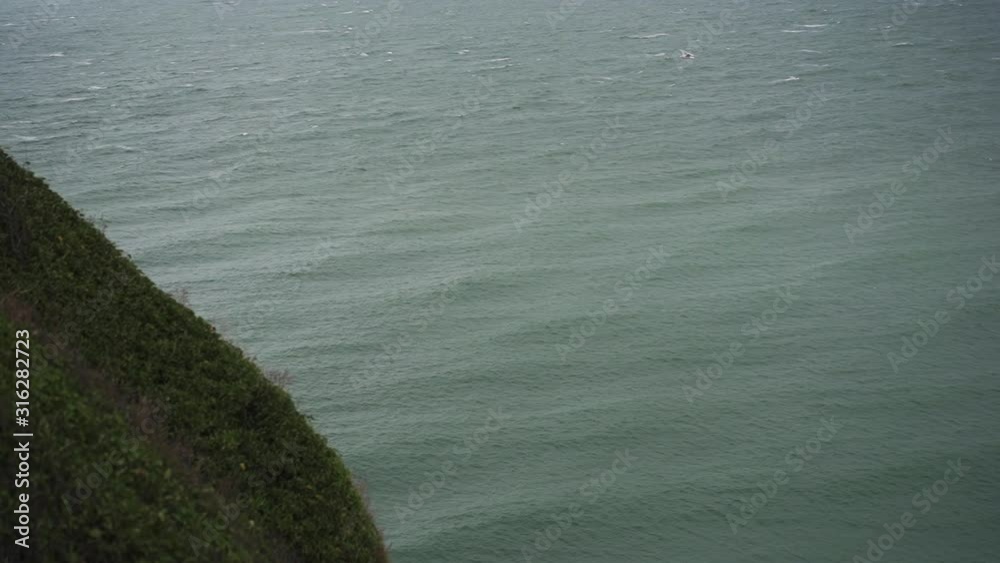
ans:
(189, 452)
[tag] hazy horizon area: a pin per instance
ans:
(554, 292)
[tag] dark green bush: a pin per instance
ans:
(239, 434)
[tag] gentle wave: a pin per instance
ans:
(317, 179)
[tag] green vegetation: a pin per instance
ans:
(98, 489)
(184, 450)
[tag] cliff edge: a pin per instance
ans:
(153, 439)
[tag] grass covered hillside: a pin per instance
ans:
(154, 439)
